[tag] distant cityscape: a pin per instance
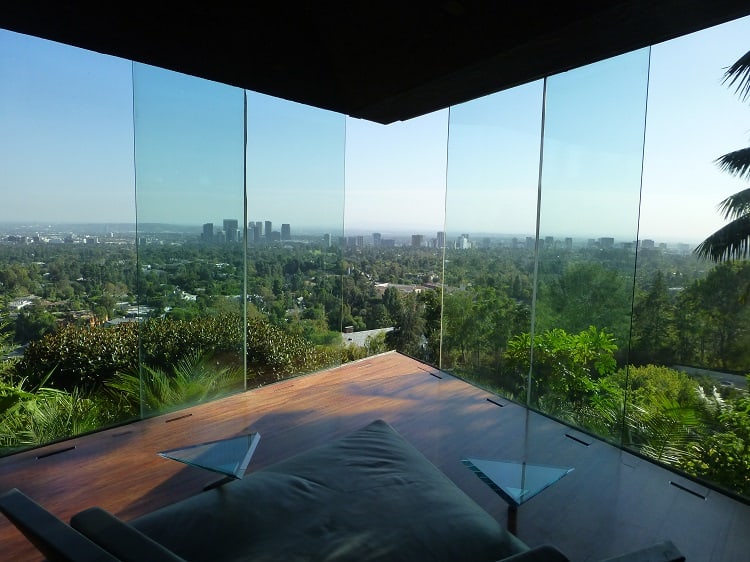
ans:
(262, 232)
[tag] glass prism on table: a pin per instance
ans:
(229, 457)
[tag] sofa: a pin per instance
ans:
(367, 496)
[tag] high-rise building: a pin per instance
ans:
(253, 232)
(327, 240)
(231, 230)
(441, 239)
(208, 232)
(268, 230)
(286, 232)
(417, 240)
(376, 239)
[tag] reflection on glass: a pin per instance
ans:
(189, 146)
(590, 193)
(493, 164)
(393, 244)
(295, 204)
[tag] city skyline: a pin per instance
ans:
(403, 237)
(70, 135)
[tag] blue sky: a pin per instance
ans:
(79, 128)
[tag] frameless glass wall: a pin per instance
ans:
(394, 239)
(688, 402)
(189, 172)
(493, 166)
(67, 238)
(295, 213)
(586, 249)
(549, 261)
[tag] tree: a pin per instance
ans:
(732, 241)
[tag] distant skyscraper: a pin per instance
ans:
(327, 240)
(376, 238)
(208, 232)
(441, 239)
(569, 243)
(286, 232)
(231, 230)
(254, 232)
(269, 230)
(417, 240)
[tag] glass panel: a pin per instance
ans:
(229, 456)
(189, 143)
(493, 166)
(688, 406)
(295, 162)
(516, 482)
(392, 254)
(67, 241)
(591, 179)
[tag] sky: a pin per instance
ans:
(633, 136)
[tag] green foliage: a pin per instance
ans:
(649, 386)
(272, 353)
(30, 418)
(587, 293)
(723, 454)
(80, 357)
(194, 379)
(662, 432)
(732, 241)
(34, 322)
(565, 365)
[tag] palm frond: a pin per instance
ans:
(739, 73)
(732, 241)
(736, 163)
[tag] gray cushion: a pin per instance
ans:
(368, 496)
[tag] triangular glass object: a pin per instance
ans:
(516, 482)
(225, 456)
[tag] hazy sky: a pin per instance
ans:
(78, 130)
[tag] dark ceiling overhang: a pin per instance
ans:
(384, 61)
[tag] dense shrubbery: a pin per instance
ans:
(75, 357)
(79, 379)
(79, 357)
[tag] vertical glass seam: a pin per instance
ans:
(445, 229)
(535, 282)
(137, 244)
(635, 263)
(243, 321)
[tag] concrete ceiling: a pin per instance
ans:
(384, 60)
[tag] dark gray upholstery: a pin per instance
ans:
(368, 496)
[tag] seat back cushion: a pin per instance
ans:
(368, 496)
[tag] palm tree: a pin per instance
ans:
(732, 241)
